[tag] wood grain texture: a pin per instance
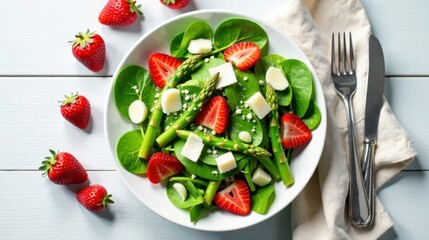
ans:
(39, 209)
(400, 27)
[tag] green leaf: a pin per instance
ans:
(239, 30)
(313, 116)
(301, 81)
(127, 151)
(237, 94)
(240, 122)
(263, 199)
(195, 30)
(193, 198)
(133, 82)
(202, 74)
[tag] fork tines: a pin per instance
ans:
(341, 65)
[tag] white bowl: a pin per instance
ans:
(153, 196)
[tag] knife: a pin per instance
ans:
(374, 102)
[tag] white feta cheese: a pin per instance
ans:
(181, 190)
(260, 177)
(200, 45)
(137, 111)
(193, 147)
(171, 101)
(245, 136)
(259, 105)
(226, 75)
(226, 162)
(276, 79)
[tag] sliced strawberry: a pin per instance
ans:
(243, 55)
(235, 198)
(161, 67)
(214, 114)
(294, 132)
(162, 166)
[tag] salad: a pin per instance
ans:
(217, 118)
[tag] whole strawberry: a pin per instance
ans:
(119, 13)
(175, 4)
(63, 168)
(89, 49)
(77, 110)
(94, 197)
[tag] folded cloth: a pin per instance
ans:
(320, 210)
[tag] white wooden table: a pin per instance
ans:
(37, 69)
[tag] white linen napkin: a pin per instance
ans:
(320, 210)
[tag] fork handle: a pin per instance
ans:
(359, 211)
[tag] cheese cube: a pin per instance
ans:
(259, 105)
(200, 45)
(171, 101)
(260, 177)
(226, 162)
(193, 147)
(276, 79)
(226, 75)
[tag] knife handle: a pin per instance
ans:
(368, 174)
(359, 211)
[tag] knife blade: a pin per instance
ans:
(374, 102)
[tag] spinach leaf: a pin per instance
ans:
(195, 30)
(237, 94)
(203, 170)
(240, 122)
(192, 199)
(127, 151)
(313, 116)
(263, 198)
(301, 81)
(239, 30)
(202, 74)
(133, 82)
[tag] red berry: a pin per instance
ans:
(175, 4)
(235, 198)
(214, 114)
(77, 110)
(94, 198)
(119, 13)
(243, 55)
(89, 49)
(63, 168)
(162, 166)
(293, 130)
(162, 67)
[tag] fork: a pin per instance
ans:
(344, 82)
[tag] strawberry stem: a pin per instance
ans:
(82, 39)
(48, 163)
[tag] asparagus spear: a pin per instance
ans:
(190, 113)
(222, 143)
(276, 141)
(156, 117)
